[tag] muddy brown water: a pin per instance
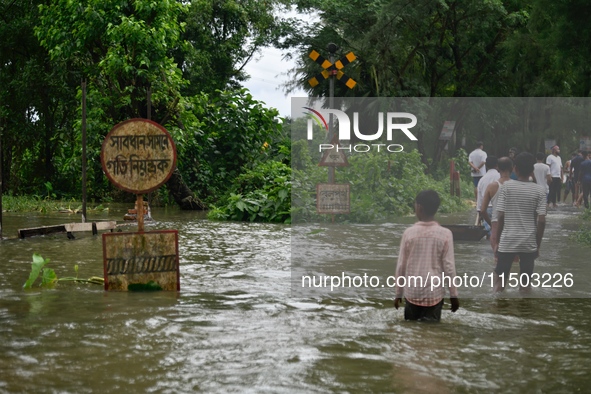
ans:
(236, 325)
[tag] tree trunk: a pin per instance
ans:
(182, 194)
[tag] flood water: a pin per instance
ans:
(236, 326)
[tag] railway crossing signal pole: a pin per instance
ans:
(332, 198)
(332, 69)
(332, 48)
(1, 179)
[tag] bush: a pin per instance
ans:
(382, 186)
(258, 195)
(583, 236)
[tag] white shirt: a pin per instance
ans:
(555, 163)
(541, 170)
(490, 177)
(477, 157)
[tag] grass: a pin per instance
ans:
(583, 236)
(43, 205)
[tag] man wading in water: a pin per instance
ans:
(426, 250)
(521, 210)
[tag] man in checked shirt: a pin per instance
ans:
(426, 250)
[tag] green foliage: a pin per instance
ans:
(49, 277)
(223, 135)
(461, 164)
(583, 235)
(121, 48)
(12, 203)
(221, 37)
(192, 55)
(37, 265)
(261, 194)
(382, 186)
(457, 48)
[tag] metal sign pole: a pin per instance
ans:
(332, 48)
(139, 212)
(83, 151)
(149, 114)
(0, 181)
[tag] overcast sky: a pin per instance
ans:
(268, 72)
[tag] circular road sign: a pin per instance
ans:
(138, 155)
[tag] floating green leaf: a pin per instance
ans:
(49, 277)
(36, 266)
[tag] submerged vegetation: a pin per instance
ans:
(49, 277)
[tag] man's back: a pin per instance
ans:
(541, 170)
(491, 176)
(520, 201)
(575, 164)
(585, 170)
(426, 250)
(478, 157)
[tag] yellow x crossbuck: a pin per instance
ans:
(332, 69)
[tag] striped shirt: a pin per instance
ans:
(426, 251)
(521, 202)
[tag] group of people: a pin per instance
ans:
(578, 178)
(512, 199)
(512, 195)
(549, 173)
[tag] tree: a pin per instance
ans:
(221, 37)
(34, 102)
(414, 49)
(123, 49)
(222, 136)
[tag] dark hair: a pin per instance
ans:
(540, 156)
(491, 162)
(505, 164)
(429, 200)
(524, 163)
(479, 143)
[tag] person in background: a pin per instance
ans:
(575, 163)
(477, 161)
(585, 178)
(556, 171)
(542, 173)
(569, 185)
(521, 210)
(426, 250)
(512, 154)
(492, 174)
(505, 166)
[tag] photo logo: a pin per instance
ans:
(391, 120)
(317, 116)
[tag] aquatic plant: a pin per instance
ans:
(49, 277)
